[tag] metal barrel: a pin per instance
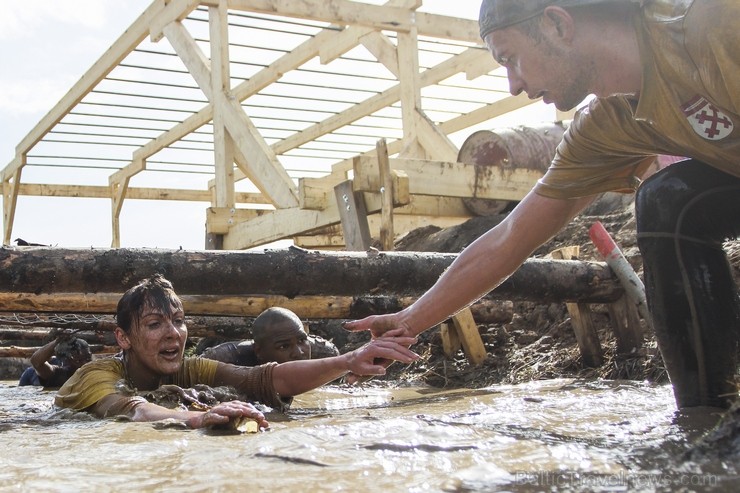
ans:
(531, 147)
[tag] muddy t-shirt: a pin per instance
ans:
(689, 104)
(103, 377)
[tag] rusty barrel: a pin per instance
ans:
(531, 147)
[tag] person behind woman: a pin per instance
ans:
(151, 332)
(278, 336)
(53, 363)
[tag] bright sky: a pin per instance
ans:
(45, 47)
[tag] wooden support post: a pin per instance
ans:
(386, 196)
(626, 325)
(450, 340)
(353, 215)
(469, 336)
(580, 316)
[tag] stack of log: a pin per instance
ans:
(220, 289)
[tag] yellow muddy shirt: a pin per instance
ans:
(103, 377)
(689, 104)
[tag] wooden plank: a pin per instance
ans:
(264, 169)
(139, 193)
(580, 315)
(386, 193)
(383, 50)
(430, 76)
(220, 219)
(221, 82)
(436, 142)
(451, 179)
(10, 200)
(625, 321)
(353, 215)
(470, 338)
(450, 340)
(410, 95)
(126, 43)
(378, 17)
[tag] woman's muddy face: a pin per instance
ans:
(157, 341)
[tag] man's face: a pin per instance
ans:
(543, 68)
(80, 357)
(287, 341)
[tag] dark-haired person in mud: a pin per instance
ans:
(53, 363)
(666, 76)
(151, 332)
(278, 335)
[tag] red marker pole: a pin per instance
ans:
(621, 267)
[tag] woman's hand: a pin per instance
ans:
(221, 414)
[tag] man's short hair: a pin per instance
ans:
(498, 14)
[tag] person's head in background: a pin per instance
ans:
(279, 336)
(74, 352)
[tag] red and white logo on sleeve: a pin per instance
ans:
(706, 119)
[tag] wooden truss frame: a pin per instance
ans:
(422, 56)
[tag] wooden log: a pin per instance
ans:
(580, 316)
(27, 352)
(35, 335)
(287, 272)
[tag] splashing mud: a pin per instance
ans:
(554, 435)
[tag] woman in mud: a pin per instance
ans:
(151, 332)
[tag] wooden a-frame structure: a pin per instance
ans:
(264, 108)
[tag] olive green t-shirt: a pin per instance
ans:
(103, 377)
(689, 104)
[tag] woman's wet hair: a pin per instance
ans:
(155, 293)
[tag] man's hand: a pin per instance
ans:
(380, 325)
(373, 358)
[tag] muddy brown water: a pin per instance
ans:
(554, 435)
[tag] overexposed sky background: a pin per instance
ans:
(45, 47)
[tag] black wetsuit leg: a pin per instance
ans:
(684, 214)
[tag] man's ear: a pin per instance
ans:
(122, 338)
(561, 22)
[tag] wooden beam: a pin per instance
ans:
(138, 193)
(10, 200)
(208, 314)
(467, 332)
(451, 179)
(353, 216)
(580, 316)
(429, 77)
(126, 43)
(410, 92)
(221, 81)
(220, 219)
(386, 193)
(342, 12)
(378, 17)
